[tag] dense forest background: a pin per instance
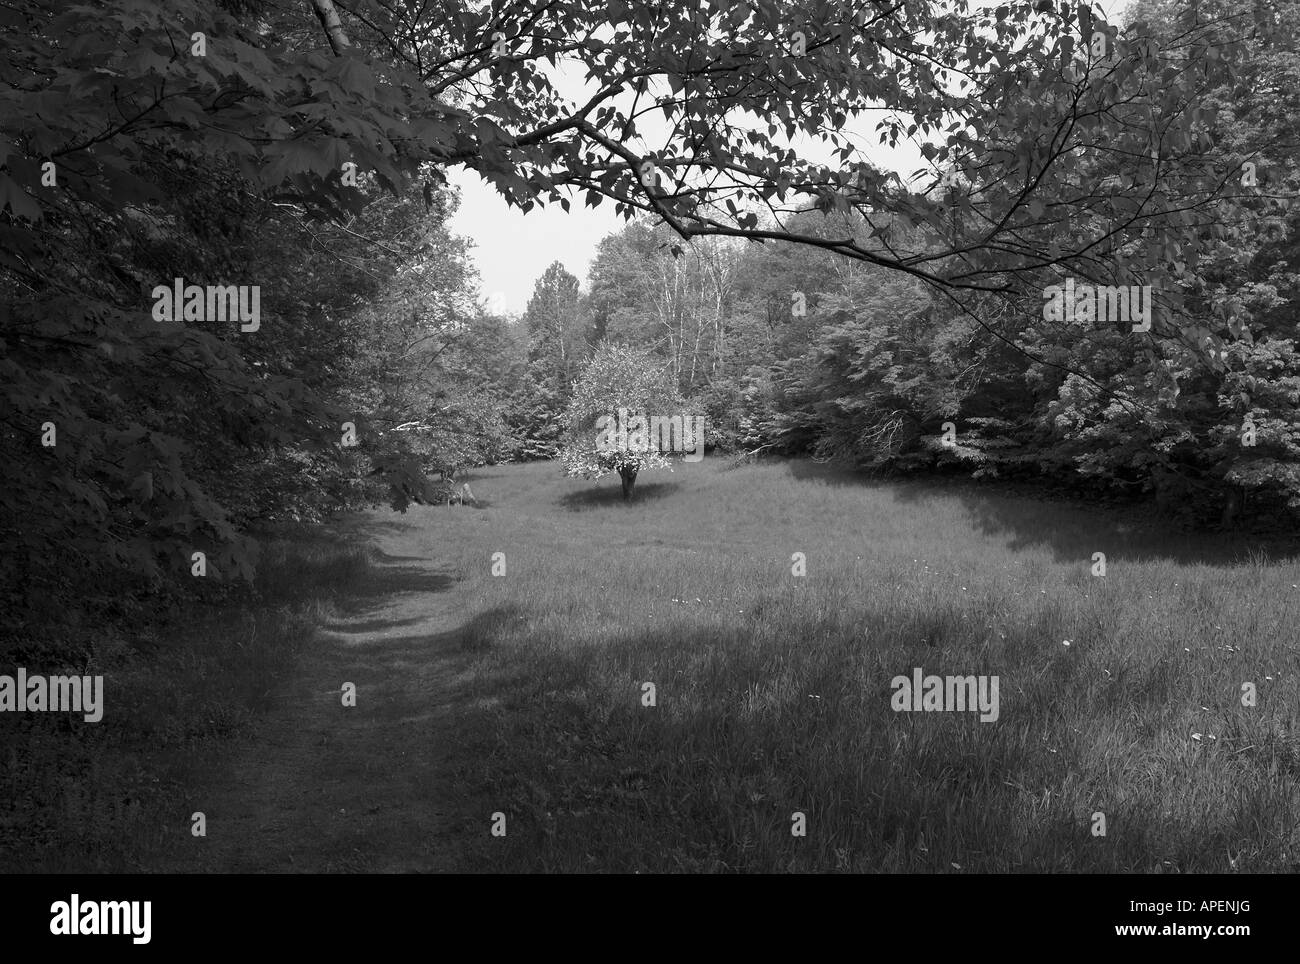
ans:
(796, 351)
(130, 445)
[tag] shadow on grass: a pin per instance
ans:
(1073, 532)
(385, 776)
(349, 581)
(104, 798)
(591, 779)
(603, 493)
(373, 625)
(831, 473)
(1072, 529)
(383, 581)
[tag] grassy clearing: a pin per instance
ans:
(774, 691)
(114, 796)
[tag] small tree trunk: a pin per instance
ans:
(628, 475)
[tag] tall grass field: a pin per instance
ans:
(1122, 742)
(700, 680)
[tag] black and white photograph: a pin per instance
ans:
(782, 438)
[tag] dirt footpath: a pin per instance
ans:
(323, 788)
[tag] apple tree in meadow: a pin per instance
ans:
(618, 380)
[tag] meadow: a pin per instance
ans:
(522, 693)
(1120, 695)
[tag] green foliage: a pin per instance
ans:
(557, 335)
(171, 438)
(618, 379)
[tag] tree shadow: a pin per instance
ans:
(387, 559)
(467, 637)
(376, 787)
(344, 579)
(1039, 515)
(830, 473)
(587, 777)
(383, 581)
(371, 625)
(607, 494)
(1073, 530)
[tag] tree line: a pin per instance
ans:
(833, 309)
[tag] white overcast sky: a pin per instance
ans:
(512, 249)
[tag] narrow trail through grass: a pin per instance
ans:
(326, 788)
